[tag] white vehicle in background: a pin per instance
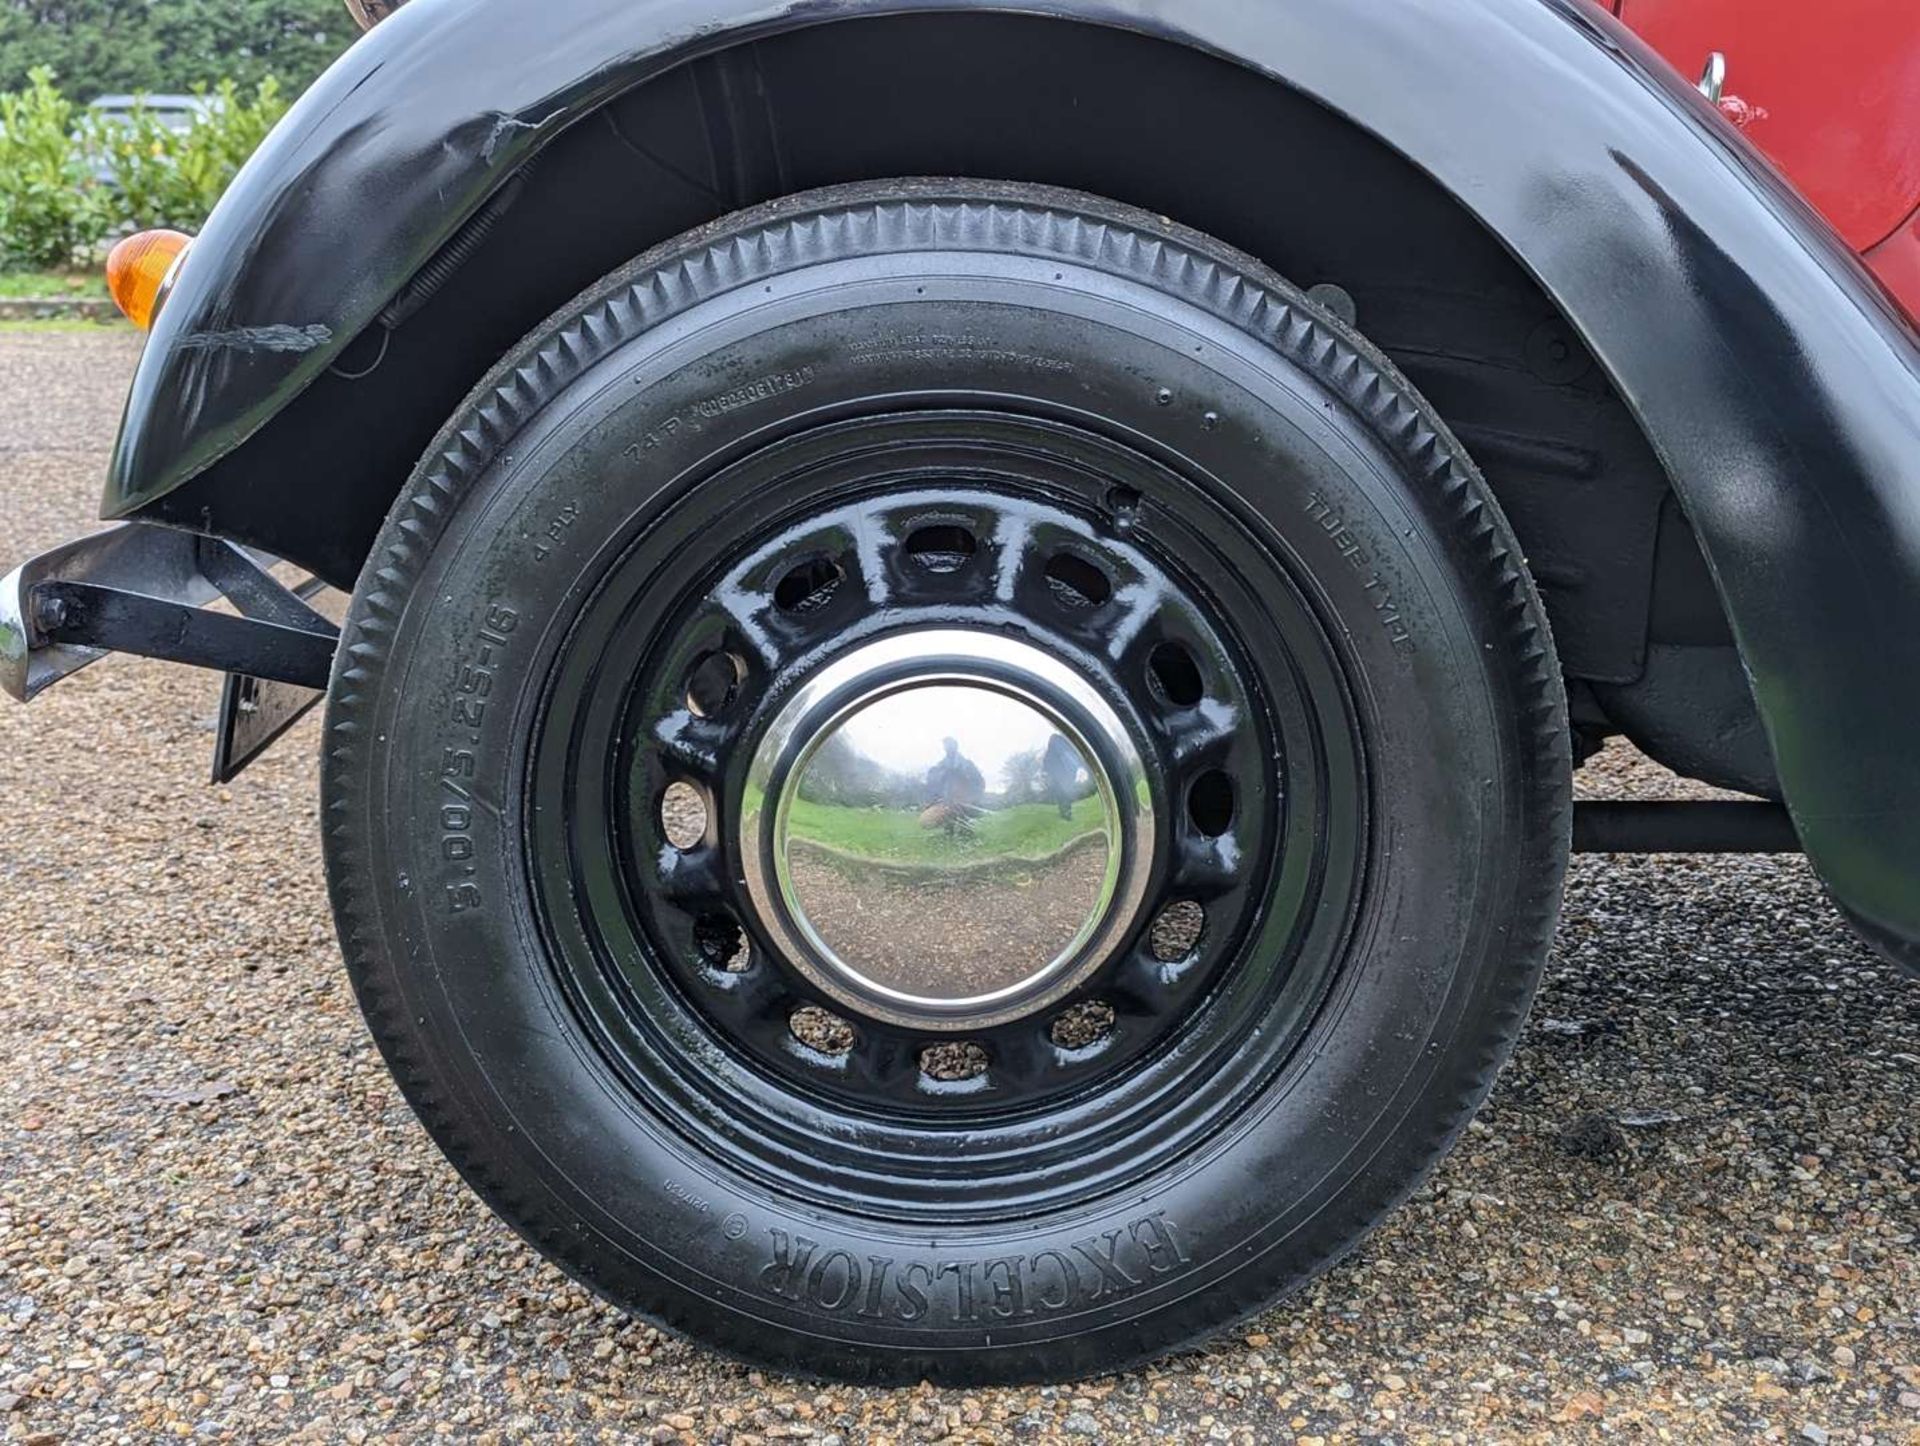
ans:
(175, 112)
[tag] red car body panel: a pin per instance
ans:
(1897, 263)
(1831, 93)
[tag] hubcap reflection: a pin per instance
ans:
(944, 829)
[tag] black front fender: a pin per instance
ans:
(1779, 386)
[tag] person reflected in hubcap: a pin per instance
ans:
(956, 788)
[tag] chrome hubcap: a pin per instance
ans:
(947, 829)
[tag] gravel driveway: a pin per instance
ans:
(1688, 1213)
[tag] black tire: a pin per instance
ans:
(1331, 497)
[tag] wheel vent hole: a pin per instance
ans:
(808, 587)
(821, 1029)
(683, 815)
(1076, 583)
(1210, 803)
(958, 1060)
(713, 682)
(1086, 1023)
(721, 943)
(941, 547)
(1176, 675)
(1177, 931)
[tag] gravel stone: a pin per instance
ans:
(821, 1029)
(1592, 1137)
(290, 1259)
(1081, 1024)
(953, 1060)
(1177, 930)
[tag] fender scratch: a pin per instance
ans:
(260, 338)
(503, 123)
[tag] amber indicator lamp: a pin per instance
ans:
(139, 271)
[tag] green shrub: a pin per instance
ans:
(165, 177)
(100, 47)
(55, 205)
(51, 207)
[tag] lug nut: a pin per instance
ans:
(50, 613)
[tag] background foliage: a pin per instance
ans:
(50, 204)
(162, 177)
(70, 177)
(98, 47)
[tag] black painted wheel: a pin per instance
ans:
(681, 902)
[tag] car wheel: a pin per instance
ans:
(945, 780)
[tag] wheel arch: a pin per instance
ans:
(1595, 200)
(1109, 111)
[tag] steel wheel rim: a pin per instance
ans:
(666, 1012)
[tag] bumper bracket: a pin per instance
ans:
(141, 589)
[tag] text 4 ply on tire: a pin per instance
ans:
(945, 780)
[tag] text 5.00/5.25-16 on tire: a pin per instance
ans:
(945, 780)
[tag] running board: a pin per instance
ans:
(1683, 827)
